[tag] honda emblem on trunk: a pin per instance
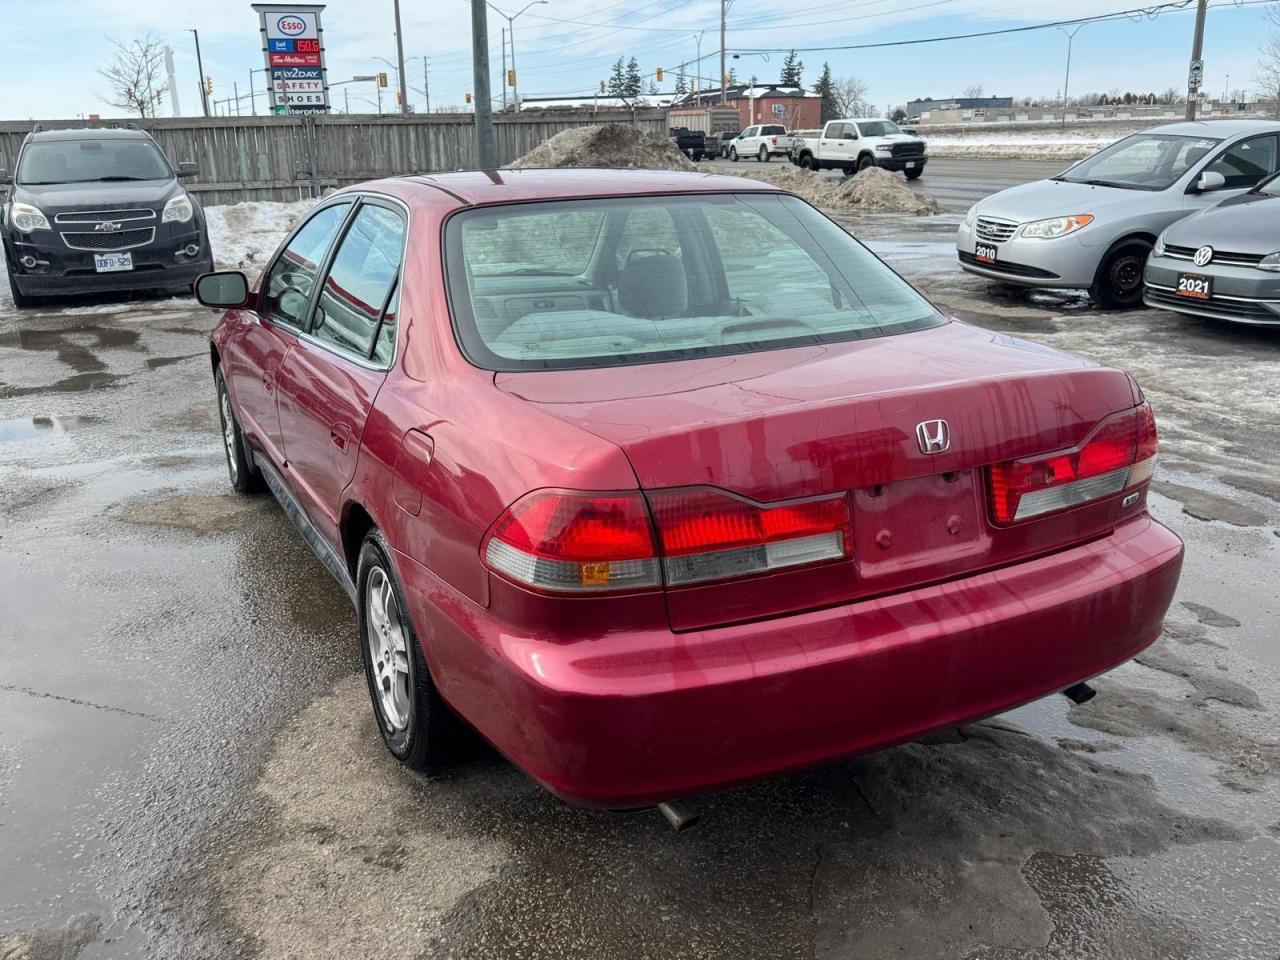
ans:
(934, 436)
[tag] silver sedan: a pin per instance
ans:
(1222, 263)
(1092, 226)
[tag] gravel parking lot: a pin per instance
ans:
(189, 766)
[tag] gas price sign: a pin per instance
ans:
(293, 48)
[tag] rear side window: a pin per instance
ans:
(287, 289)
(355, 291)
(667, 278)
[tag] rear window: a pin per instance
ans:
(773, 130)
(88, 161)
(608, 282)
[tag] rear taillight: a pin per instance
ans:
(575, 542)
(562, 541)
(1118, 455)
(774, 141)
(710, 535)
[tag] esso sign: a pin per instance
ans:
(291, 26)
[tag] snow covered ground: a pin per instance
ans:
(244, 235)
(1066, 145)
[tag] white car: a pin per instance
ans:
(852, 145)
(762, 141)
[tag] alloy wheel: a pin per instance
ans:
(388, 651)
(228, 433)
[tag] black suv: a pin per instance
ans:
(88, 211)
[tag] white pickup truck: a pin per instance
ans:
(853, 145)
(760, 142)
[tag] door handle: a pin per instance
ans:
(340, 434)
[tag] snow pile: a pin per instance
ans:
(871, 191)
(1068, 145)
(244, 235)
(606, 145)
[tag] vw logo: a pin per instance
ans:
(1203, 257)
(106, 226)
(934, 436)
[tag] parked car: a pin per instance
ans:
(1092, 226)
(762, 142)
(717, 144)
(88, 211)
(853, 145)
(692, 143)
(1222, 262)
(653, 519)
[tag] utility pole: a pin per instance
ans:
(486, 150)
(426, 83)
(404, 93)
(503, 32)
(724, 95)
(1066, 86)
(1196, 72)
(204, 97)
(235, 89)
(173, 81)
(697, 65)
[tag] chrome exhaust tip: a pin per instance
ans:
(680, 815)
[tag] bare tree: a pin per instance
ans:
(134, 75)
(1268, 75)
(973, 91)
(850, 95)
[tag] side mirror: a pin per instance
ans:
(6, 177)
(1210, 180)
(188, 168)
(225, 289)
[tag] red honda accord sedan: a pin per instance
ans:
(663, 482)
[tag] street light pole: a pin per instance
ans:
(204, 97)
(697, 65)
(724, 94)
(511, 32)
(426, 82)
(404, 93)
(503, 32)
(1066, 85)
(1197, 49)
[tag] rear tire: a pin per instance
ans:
(418, 727)
(810, 162)
(763, 155)
(241, 472)
(849, 171)
(1118, 283)
(733, 154)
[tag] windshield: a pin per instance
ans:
(589, 283)
(1142, 162)
(878, 128)
(86, 161)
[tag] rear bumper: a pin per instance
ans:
(631, 719)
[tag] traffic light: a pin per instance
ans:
(468, 98)
(399, 98)
(208, 84)
(658, 75)
(382, 79)
(511, 78)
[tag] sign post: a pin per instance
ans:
(293, 49)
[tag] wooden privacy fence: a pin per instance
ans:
(287, 158)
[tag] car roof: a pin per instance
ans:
(91, 133)
(1217, 128)
(514, 186)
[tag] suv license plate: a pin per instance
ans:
(910, 164)
(110, 262)
(1194, 286)
(984, 252)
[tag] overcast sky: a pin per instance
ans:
(50, 49)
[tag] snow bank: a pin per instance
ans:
(871, 191)
(606, 145)
(244, 235)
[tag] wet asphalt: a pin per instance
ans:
(189, 768)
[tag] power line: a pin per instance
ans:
(1136, 13)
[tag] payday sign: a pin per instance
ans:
(293, 48)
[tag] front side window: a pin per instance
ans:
(355, 291)
(287, 288)
(1246, 163)
(1142, 162)
(91, 161)
(666, 278)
